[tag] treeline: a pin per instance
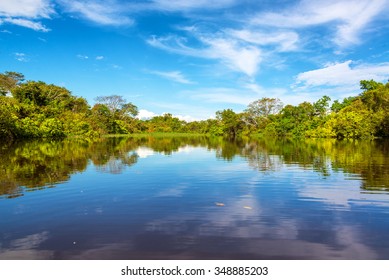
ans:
(31, 109)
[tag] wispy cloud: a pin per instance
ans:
(237, 56)
(37, 26)
(337, 80)
(186, 5)
(283, 40)
(345, 73)
(82, 56)
(234, 54)
(349, 17)
(26, 8)
(101, 12)
(100, 57)
(175, 76)
(22, 57)
(26, 13)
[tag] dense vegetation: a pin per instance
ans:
(30, 109)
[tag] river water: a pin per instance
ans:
(194, 198)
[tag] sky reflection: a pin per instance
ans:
(133, 201)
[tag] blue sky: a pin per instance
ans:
(194, 57)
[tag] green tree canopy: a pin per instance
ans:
(9, 80)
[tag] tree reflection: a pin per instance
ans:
(34, 165)
(37, 165)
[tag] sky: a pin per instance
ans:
(192, 58)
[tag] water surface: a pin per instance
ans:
(194, 198)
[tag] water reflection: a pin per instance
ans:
(194, 198)
(37, 165)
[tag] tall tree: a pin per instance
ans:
(9, 80)
(321, 106)
(257, 112)
(118, 106)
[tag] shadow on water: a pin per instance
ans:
(36, 165)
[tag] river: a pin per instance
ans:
(194, 198)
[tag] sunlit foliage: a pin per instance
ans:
(38, 110)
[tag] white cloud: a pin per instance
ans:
(37, 26)
(175, 76)
(174, 44)
(343, 74)
(21, 57)
(350, 17)
(25, 13)
(285, 40)
(144, 114)
(236, 55)
(186, 118)
(26, 8)
(197, 110)
(100, 57)
(100, 12)
(337, 80)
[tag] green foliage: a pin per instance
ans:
(39, 164)
(118, 106)
(8, 81)
(321, 106)
(258, 112)
(113, 115)
(230, 123)
(39, 110)
(42, 94)
(8, 117)
(165, 123)
(369, 85)
(337, 106)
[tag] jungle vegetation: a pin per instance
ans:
(35, 109)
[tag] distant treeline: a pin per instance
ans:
(31, 109)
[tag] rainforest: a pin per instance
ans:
(35, 109)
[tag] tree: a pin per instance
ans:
(259, 110)
(354, 121)
(42, 94)
(9, 80)
(118, 106)
(230, 122)
(337, 106)
(321, 106)
(369, 85)
(376, 97)
(114, 115)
